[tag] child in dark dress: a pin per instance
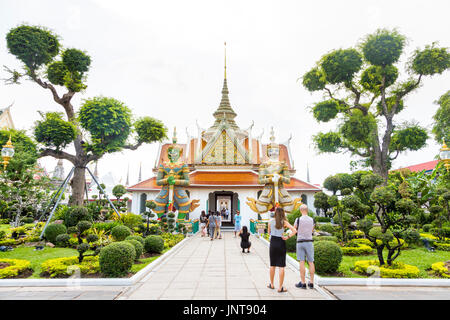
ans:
(245, 244)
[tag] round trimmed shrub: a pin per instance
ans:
(62, 240)
(427, 227)
(327, 227)
(138, 247)
(83, 247)
(75, 215)
(138, 238)
(91, 238)
(83, 225)
(327, 256)
(27, 220)
(53, 230)
(119, 233)
(117, 258)
(154, 244)
(411, 236)
(72, 230)
(291, 244)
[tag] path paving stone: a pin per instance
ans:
(217, 270)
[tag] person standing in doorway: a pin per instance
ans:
(277, 249)
(305, 246)
(211, 225)
(237, 222)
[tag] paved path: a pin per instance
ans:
(217, 270)
(389, 293)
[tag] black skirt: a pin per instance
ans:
(277, 252)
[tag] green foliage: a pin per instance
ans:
(356, 249)
(14, 268)
(120, 232)
(327, 256)
(365, 225)
(137, 238)
(150, 130)
(314, 80)
(76, 60)
(427, 227)
(441, 125)
(328, 227)
(53, 230)
(117, 258)
(333, 183)
(106, 226)
(340, 65)
(75, 215)
(321, 219)
(411, 236)
(326, 110)
(378, 234)
(25, 155)
(34, 46)
(390, 103)
(52, 131)
(328, 142)
(56, 71)
(325, 238)
(62, 240)
(431, 60)
(358, 129)
(291, 244)
(92, 238)
(64, 267)
(108, 122)
(83, 226)
(118, 191)
(344, 218)
(383, 47)
(293, 215)
(411, 137)
(321, 202)
(131, 220)
(154, 244)
(396, 270)
(372, 77)
(138, 247)
(383, 196)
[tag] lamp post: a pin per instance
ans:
(7, 153)
(444, 155)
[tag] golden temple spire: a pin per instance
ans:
(225, 45)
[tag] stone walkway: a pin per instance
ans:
(389, 293)
(217, 270)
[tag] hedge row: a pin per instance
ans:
(16, 266)
(397, 270)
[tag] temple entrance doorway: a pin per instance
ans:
(226, 202)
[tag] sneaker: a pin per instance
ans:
(311, 285)
(301, 285)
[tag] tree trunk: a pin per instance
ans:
(78, 184)
(380, 255)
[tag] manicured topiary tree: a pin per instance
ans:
(116, 259)
(135, 237)
(75, 215)
(120, 232)
(327, 256)
(62, 240)
(365, 93)
(82, 226)
(154, 244)
(53, 230)
(102, 125)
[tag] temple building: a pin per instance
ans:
(6, 121)
(223, 163)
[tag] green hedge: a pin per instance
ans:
(154, 244)
(117, 259)
(327, 256)
(120, 233)
(53, 230)
(360, 249)
(397, 270)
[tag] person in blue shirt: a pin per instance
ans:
(237, 222)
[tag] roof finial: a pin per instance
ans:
(225, 48)
(174, 139)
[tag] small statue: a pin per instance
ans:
(273, 174)
(173, 175)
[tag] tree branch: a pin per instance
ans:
(57, 154)
(133, 147)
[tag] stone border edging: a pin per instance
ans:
(67, 282)
(333, 281)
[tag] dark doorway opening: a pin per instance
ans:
(224, 199)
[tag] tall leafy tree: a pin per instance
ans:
(364, 93)
(102, 125)
(441, 126)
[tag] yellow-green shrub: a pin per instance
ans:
(15, 267)
(440, 268)
(364, 241)
(394, 243)
(442, 246)
(63, 267)
(359, 249)
(397, 270)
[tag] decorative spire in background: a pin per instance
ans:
(307, 173)
(140, 172)
(128, 176)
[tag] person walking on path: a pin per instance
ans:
(217, 233)
(211, 225)
(203, 221)
(245, 243)
(277, 249)
(305, 246)
(237, 222)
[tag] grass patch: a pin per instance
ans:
(419, 257)
(145, 262)
(37, 257)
